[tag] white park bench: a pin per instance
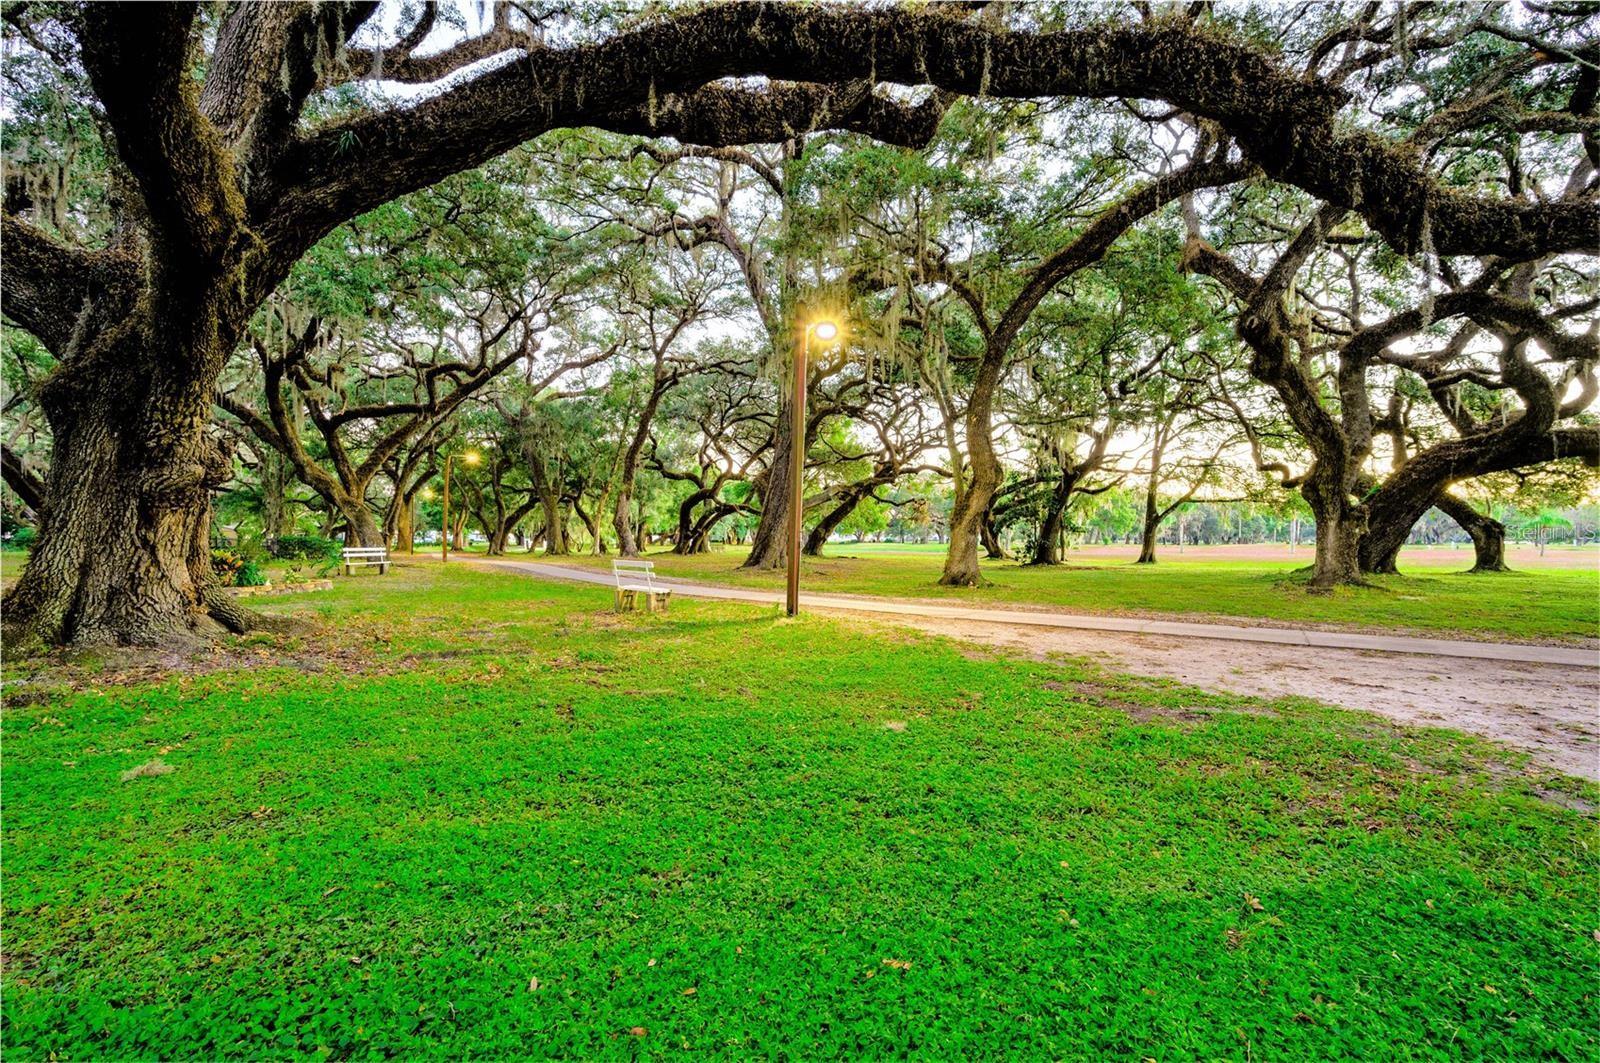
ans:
(363, 556)
(636, 578)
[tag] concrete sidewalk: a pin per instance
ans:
(1488, 651)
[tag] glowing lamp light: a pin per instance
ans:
(826, 330)
(470, 457)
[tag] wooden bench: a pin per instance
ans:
(364, 556)
(636, 579)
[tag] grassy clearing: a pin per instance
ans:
(481, 816)
(1545, 605)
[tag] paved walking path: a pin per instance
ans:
(1344, 640)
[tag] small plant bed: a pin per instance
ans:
(277, 589)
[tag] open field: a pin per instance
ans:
(1459, 558)
(1554, 604)
(480, 815)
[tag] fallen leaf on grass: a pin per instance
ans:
(894, 725)
(533, 984)
(899, 965)
(1254, 902)
(637, 1031)
(149, 768)
(691, 991)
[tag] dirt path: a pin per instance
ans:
(1551, 711)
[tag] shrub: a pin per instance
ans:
(226, 564)
(249, 575)
(24, 538)
(323, 553)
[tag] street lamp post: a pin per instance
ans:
(825, 331)
(471, 458)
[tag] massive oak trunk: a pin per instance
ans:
(1488, 538)
(123, 554)
(1341, 526)
(1422, 482)
(361, 525)
(622, 522)
(555, 525)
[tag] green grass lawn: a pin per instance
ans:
(1536, 605)
(479, 815)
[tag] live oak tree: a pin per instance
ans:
(714, 435)
(238, 137)
(1006, 258)
(1108, 344)
(1495, 345)
(1188, 435)
(751, 207)
(882, 443)
(393, 322)
(664, 303)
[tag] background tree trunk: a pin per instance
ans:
(622, 523)
(972, 502)
(1488, 535)
(274, 506)
(769, 547)
(1047, 547)
(1151, 527)
(555, 525)
(405, 527)
(993, 548)
(830, 522)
